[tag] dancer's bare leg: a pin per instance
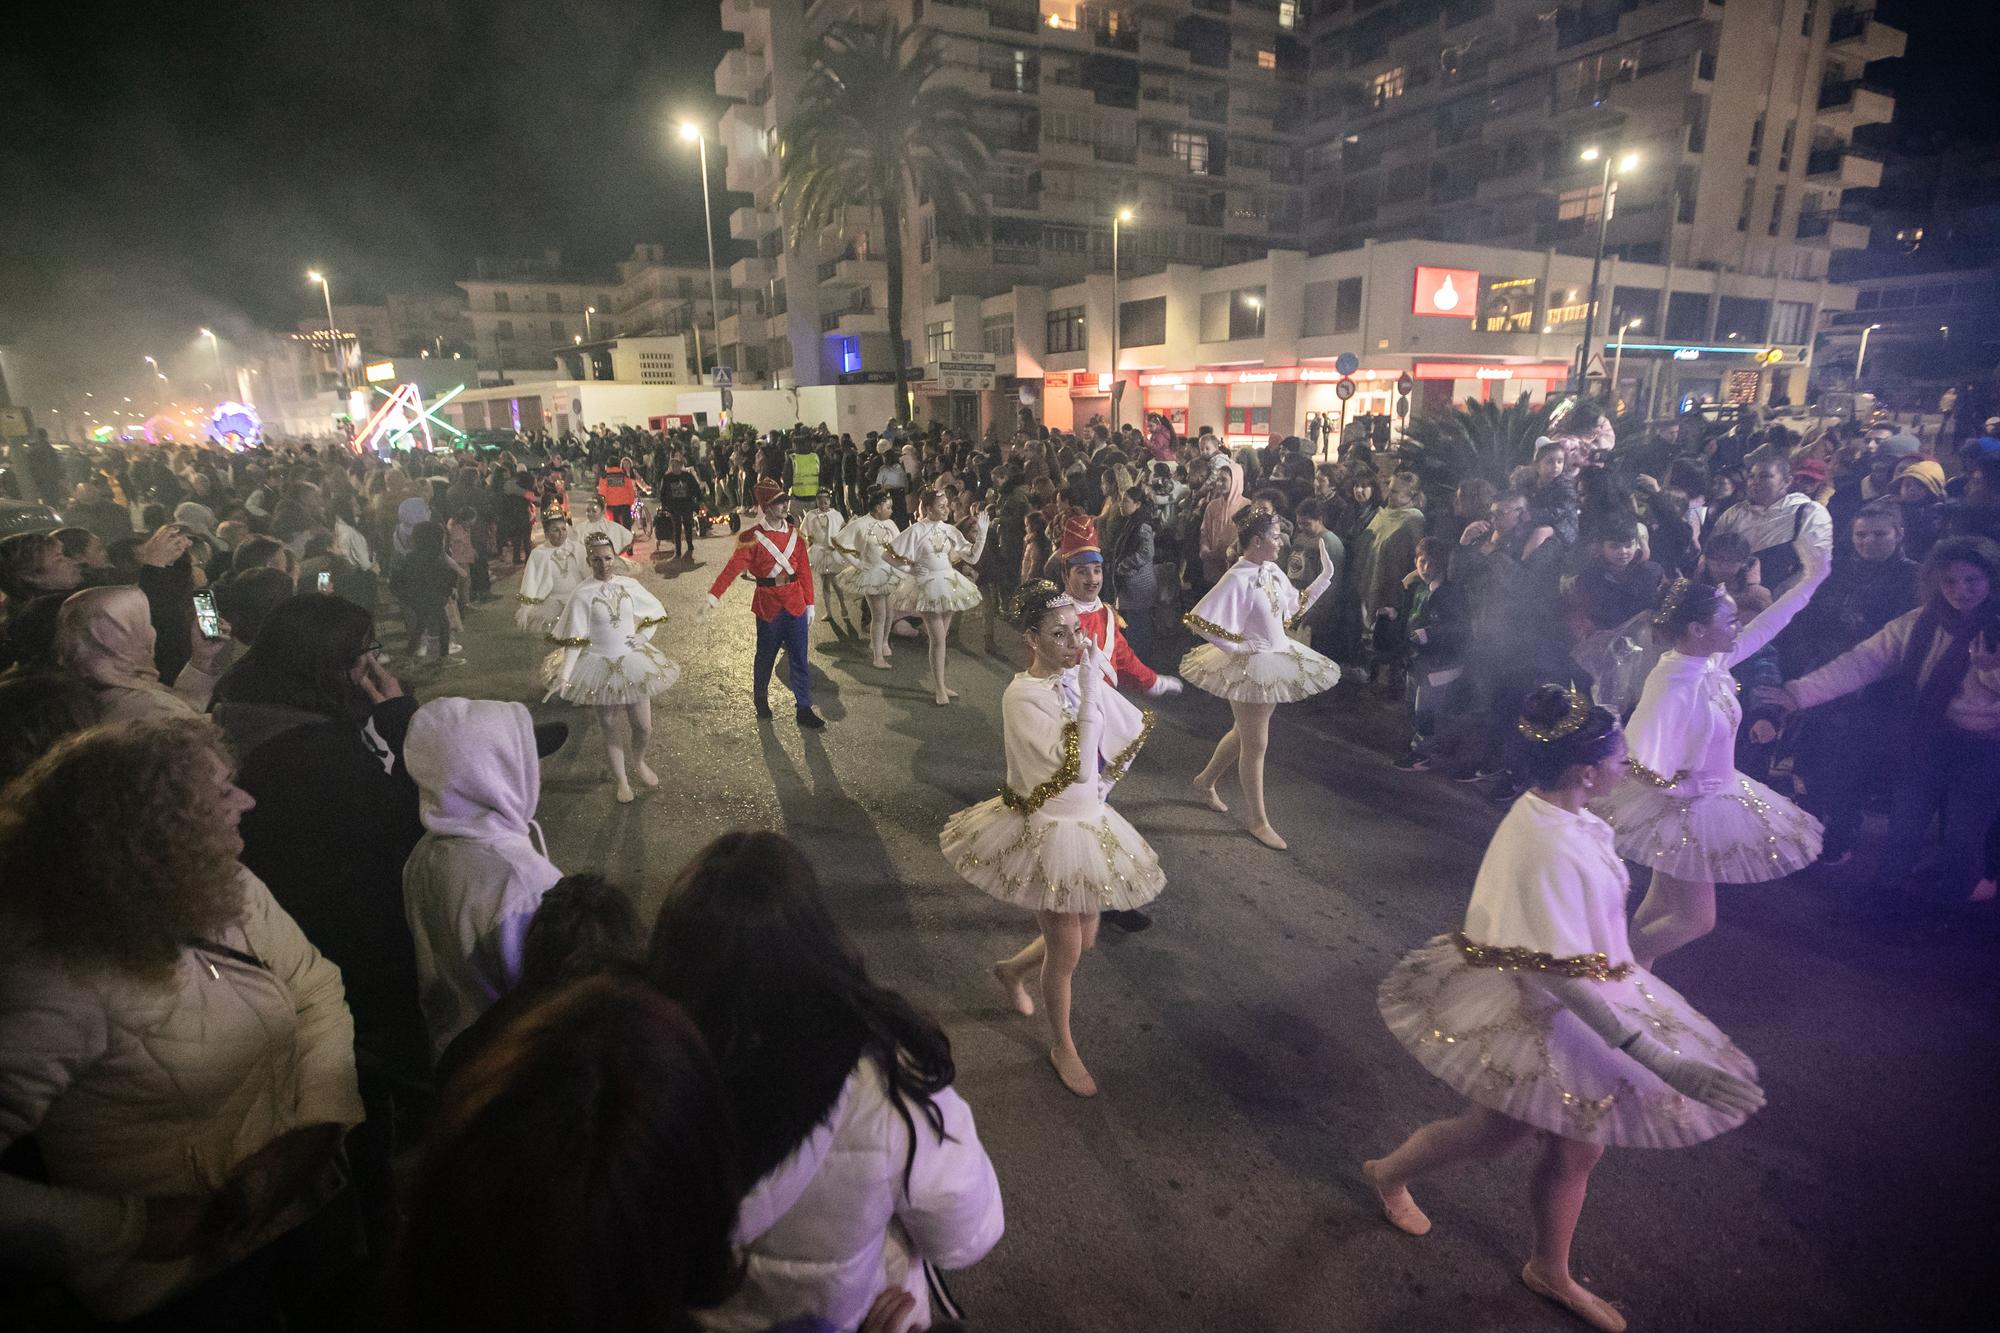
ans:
(878, 630)
(1253, 726)
(1225, 754)
(1012, 974)
(1674, 912)
(1562, 1177)
(617, 739)
(1065, 939)
(1472, 1134)
(937, 629)
(639, 717)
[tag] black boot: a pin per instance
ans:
(810, 720)
(763, 710)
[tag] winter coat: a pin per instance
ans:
(833, 1224)
(135, 1087)
(474, 880)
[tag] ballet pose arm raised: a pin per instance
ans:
(1767, 624)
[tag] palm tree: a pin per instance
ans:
(877, 129)
(1477, 440)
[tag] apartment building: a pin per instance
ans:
(521, 309)
(1187, 112)
(657, 297)
(1466, 120)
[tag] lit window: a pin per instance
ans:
(1267, 60)
(1192, 150)
(1387, 86)
(1288, 14)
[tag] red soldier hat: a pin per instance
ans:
(1079, 541)
(768, 492)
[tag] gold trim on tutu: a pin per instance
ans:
(1281, 675)
(935, 593)
(1095, 864)
(1744, 834)
(603, 682)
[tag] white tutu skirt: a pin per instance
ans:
(868, 581)
(935, 593)
(1094, 864)
(1281, 675)
(1508, 1045)
(600, 681)
(537, 618)
(1744, 833)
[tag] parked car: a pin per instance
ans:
(27, 516)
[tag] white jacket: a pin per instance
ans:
(136, 1088)
(832, 1226)
(475, 878)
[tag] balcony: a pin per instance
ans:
(1843, 167)
(738, 73)
(752, 224)
(749, 274)
(1838, 231)
(862, 319)
(960, 16)
(843, 273)
(1115, 152)
(1849, 104)
(752, 18)
(1855, 34)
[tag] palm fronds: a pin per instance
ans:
(1477, 440)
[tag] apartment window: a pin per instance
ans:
(1347, 305)
(1267, 59)
(996, 334)
(1756, 140)
(1749, 200)
(1777, 211)
(557, 331)
(1698, 127)
(1288, 15)
(937, 340)
(1580, 205)
(1806, 19)
(500, 301)
(1058, 240)
(1191, 149)
(1142, 323)
(1741, 319)
(506, 329)
(1785, 146)
(1630, 303)
(1791, 321)
(850, 354)
(1227, 316)
(1387, 86)
(1066, 329)
(1687, 317)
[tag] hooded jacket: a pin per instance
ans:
(475, 878)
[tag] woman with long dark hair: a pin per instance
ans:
(867, 1165)
(1537, 1013)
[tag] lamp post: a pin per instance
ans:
(1618, 358)
(694, 135)
(215, 345)
(1626, 162)
(1122, 216)
(332, 334)
(1861, 357)
(588, 311)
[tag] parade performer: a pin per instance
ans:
(865, 543)
(605, 659)
(554, 568)
(1251, 661)
(1537, 1012)
(1083, 580)
(596, 521)
(771, 551)
(822, 525)
(1049, 842)
(1684, 810)
(933, 588)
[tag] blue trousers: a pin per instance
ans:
(788, 632)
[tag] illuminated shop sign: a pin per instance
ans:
(1181, 379)
(1468, 370)
(1445, 291)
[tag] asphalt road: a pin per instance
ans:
(1244, 1069)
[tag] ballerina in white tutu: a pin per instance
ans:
(932, 587)
(605, 659)
(1049, 842)
(821, 527)
(1251, 661)
(1537, 1012)
(1684, 810)
(553, 570)
(864, 544)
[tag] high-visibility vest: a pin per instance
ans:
(805, 474)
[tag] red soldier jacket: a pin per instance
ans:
(776, 558)
(1101, 625)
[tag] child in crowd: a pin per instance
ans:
(1615, 584)
(424, 582)
(1436, 618)
(1552, 497)
(1726, 560)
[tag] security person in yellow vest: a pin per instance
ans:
(802, 471)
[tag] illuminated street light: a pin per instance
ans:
(313, 275)
(1861, 357)
(1118, 219)
(1618, 358)
(693, 134)
(588, 311)
(1627, 162)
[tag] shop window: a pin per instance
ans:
(1066, 329)
(1249, 420)
(1507, 305)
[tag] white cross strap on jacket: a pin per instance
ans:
(782, 559)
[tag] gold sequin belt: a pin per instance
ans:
(1582, 967)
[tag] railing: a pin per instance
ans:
(1842, 92)
(1014, 20)
(1115, 152)
(1017, 254)
(1015, 81)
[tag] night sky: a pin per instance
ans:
(167, 165)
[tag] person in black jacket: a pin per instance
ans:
(1436, 618)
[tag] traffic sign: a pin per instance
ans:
(723, 377)
(1402, 404)
(728, 399)
(1771, 356)
(1343, 389)
(1404, 384)
(1593, 369)
(1347, 363)
(963, 371)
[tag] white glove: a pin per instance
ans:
(707, 610)
(1252, 644)
(812, 609)
(1165, 687)
(1706, 1083)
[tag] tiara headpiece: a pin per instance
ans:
(1567, 725)
(1670, 604)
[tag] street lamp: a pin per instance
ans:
(694, 135)
(1626, 162)
(332, 334)
(1861, 357)
(1618, 358)
(588, 311)
(215, 345)
(1122, 216)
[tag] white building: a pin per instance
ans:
(522, 310)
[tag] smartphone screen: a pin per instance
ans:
(326, 580)
(205, 618)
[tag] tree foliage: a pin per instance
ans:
(876, 128)
(1476, 440)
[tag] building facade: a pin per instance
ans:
(521, 310)
(1467, 120)
(1187, 112)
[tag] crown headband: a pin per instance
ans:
(1670, 605)
(1568, 725)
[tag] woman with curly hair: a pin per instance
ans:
(867, 1166)
(1049, 842)
(180, 1052)
(1251, 660)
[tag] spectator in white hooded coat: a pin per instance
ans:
(474, 880)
